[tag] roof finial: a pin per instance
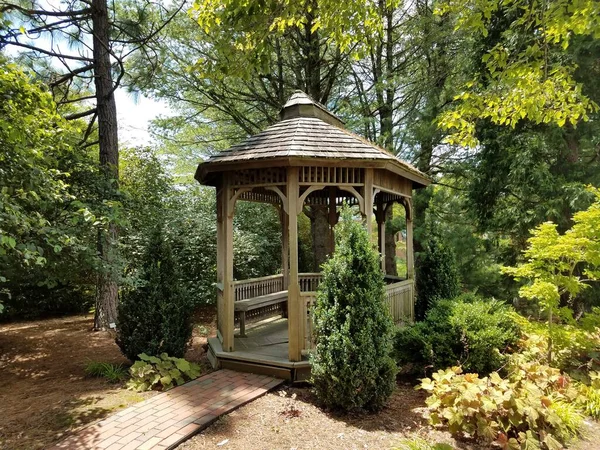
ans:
(301, 104)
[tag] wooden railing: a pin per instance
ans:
(399, 298)
(309, 282)
(255, 287)
(308, 302)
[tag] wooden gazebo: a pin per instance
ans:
(307, 158)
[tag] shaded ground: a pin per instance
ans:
(44, 393)
(279, 421)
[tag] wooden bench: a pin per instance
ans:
(250, 304)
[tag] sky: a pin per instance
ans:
(134, 114)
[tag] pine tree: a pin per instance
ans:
(352, 367)
(155, 317)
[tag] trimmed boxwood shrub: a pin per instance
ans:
(468, 331)
(155, 317)
(351, 366)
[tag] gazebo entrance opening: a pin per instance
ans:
(307, 159)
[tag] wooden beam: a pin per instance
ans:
(368, 200)
(285, 248)
(380, 216)
(295, 319)
(221, 196)
(227, 322)
(333, 216)
(410, 255)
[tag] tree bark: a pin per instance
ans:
(106, 288)
(390, 244)
(320, 231)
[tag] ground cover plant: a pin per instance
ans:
(160, 372)
(112, 372)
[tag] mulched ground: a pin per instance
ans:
(289, 418)
(44, 395)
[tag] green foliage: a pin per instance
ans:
(467, 331)
(160, 373)
(114, 373)
(421, 444)
(531, 408)
(589, 400)
(561, 265)
(155, 317)
(527, 73)
(242, 30)
(351, 366)
(48, 214)
(575, 349)
(436, 277)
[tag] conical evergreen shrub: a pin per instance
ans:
(351, 366)
(155, 318)
(437, 276)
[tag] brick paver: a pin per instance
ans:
(168, 419)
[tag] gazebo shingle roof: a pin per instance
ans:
(307, 131)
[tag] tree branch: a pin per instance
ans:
(41, 12)
(81, 114)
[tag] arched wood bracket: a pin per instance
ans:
(284, 199)
(360, 198)
(307, 192)
(407, 202)
(233, 198)
(219, 209)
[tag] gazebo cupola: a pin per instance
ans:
(307, 158)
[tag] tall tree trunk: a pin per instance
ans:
(319, 229)
(106, 288)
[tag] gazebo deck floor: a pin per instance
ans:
(264, 350)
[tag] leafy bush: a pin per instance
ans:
(155, 317)
(161, 373)
(576, 350)
(589, 399)
(467, 331)
(436, 277)
(532, 408)
(421, 444)
(351, 365)
(48, 224)
(112, 372)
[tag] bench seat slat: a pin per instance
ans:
(260, 301)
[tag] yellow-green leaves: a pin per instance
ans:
(530, 80)
(551, 259)
(248, 25)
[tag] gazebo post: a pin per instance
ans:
(295, 320)
(410, 254)
(285, 249)
(333, 218)
(225, 268)
(368, 196)
(380, 216)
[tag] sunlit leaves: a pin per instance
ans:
(556, 264)
(524, 75)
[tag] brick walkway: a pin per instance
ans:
(168, 419)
